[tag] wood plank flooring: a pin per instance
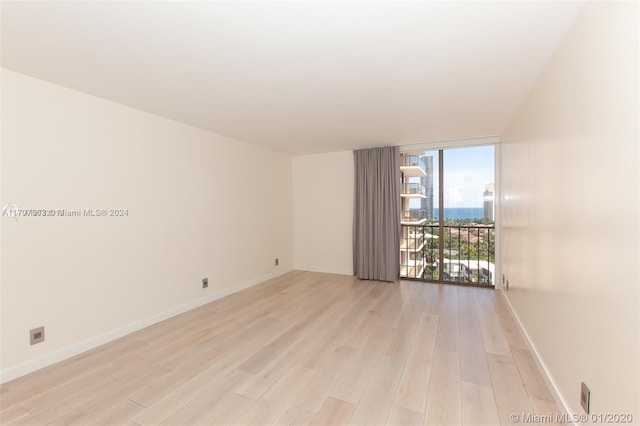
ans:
(305, 348)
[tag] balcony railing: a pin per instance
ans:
(412, 166)
(468, 253)
(410, 160)
(412, 243)
(413, 217)
(412, 269)
(413, 190)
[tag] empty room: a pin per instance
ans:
(319, 212)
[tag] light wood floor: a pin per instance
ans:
(305, 348)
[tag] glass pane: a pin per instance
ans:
(424, 185)
(469, 234)
(430, 205)
(419, 184)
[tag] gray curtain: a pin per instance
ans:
(376, 214)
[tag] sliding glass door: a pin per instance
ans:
(448, 231)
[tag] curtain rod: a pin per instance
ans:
(447, 143)
(451, 143)
(378, 146)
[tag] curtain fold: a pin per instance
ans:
(376, 220)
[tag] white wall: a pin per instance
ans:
(323, 212)
(570, 211)
(200, 205)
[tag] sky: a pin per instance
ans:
(467, 171)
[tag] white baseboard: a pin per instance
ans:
(78, 348)
(339, 271)
(544, 371)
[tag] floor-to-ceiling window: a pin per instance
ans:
(448, 214)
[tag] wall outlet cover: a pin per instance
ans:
(36, 335)
(585, 397)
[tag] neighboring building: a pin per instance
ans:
(466, 270)
(412, 262)
(426, 204)
(489, 205)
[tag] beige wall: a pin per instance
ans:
(323, 212)
(200, 205)
(570, 211)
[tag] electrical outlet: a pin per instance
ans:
(277, 261)
(585, 397)
(36, 335)
(205, 282)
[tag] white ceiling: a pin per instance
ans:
(297, 77)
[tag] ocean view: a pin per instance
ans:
(460, 212)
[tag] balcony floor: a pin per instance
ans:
(413, 222)
(413, 171)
